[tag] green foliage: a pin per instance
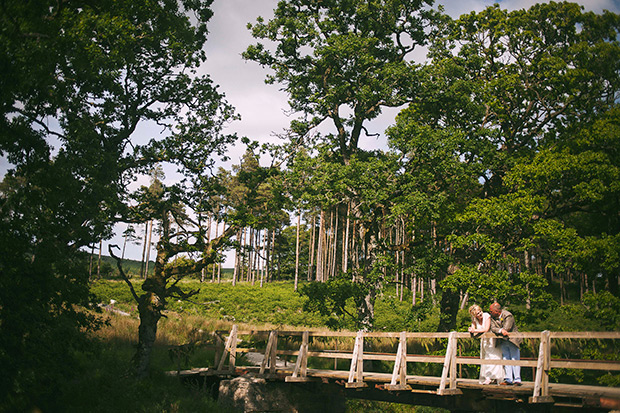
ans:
(423, 316)
(335, 299)
(332, 56)
(603, 308)
(275, 303)
(360, 405)
(83, 77)
(391, 313)
(104, 385)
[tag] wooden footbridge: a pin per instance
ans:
(348, 360)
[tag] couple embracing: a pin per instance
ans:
(505, 345)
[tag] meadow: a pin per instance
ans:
(185, 340)
(105, 382)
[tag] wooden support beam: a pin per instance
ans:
(449, 369)
(356, 372)
(230, 348)
(270, 353)
(301, 365)
(399, 375)
(541, 382)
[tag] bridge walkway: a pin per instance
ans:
(303, 346)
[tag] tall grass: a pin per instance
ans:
(105, 382)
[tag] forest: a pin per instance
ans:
(500, 179)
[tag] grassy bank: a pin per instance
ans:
(106, 384)
(185, 341)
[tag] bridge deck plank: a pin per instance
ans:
(555, 389)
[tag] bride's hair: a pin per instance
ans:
(472, 311)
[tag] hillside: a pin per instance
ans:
(132, 268)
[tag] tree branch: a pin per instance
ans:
(120, 269)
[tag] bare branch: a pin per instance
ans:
(122, 272)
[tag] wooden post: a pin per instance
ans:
(231, 348)
(301, 365)
(449, 369)
(400, 366)
(356, 373)
(219, 349)
(270, 353)
(541, 383)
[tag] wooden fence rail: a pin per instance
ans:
(542, 364)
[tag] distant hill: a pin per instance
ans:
(132, 267)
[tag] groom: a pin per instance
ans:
(502, 324)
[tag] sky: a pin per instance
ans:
(263, 107)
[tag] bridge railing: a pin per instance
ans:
(542, 364)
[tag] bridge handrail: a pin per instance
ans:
(543, 363)
(601, 335)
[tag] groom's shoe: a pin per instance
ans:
(517, 383)
(505, 383)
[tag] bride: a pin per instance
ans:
(481, 323)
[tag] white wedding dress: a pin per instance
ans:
(488, 351)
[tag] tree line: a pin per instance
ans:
(499, 181)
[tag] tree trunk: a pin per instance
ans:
(319, 253)
(271, 255)
(312, 248)
(151, 304)
(335, 244)
(124, 243)
(366, 310)
(237, 259)
(527, 264)
(256, 261)
(99, 259)
(203, 273)
(146, 232)
(297, 250)
(421, 288)
(449, 306)
(402, 276)
(148, 250)
(90, 266)
(329, 242)
(345, 246)
(150, 313)
(245, 256)
(213, 265)
(464, 300)
(261, 262)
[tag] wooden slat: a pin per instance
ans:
(453, 363)
(399, 374)
(356, 372)
(230, 348)
(541, 382)
(576, 364)
(586, 365)
(545, 339)
(448, 360)
(522, 363)
(302, 359)
(270, 353)
(613, 335)
(600, 335)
